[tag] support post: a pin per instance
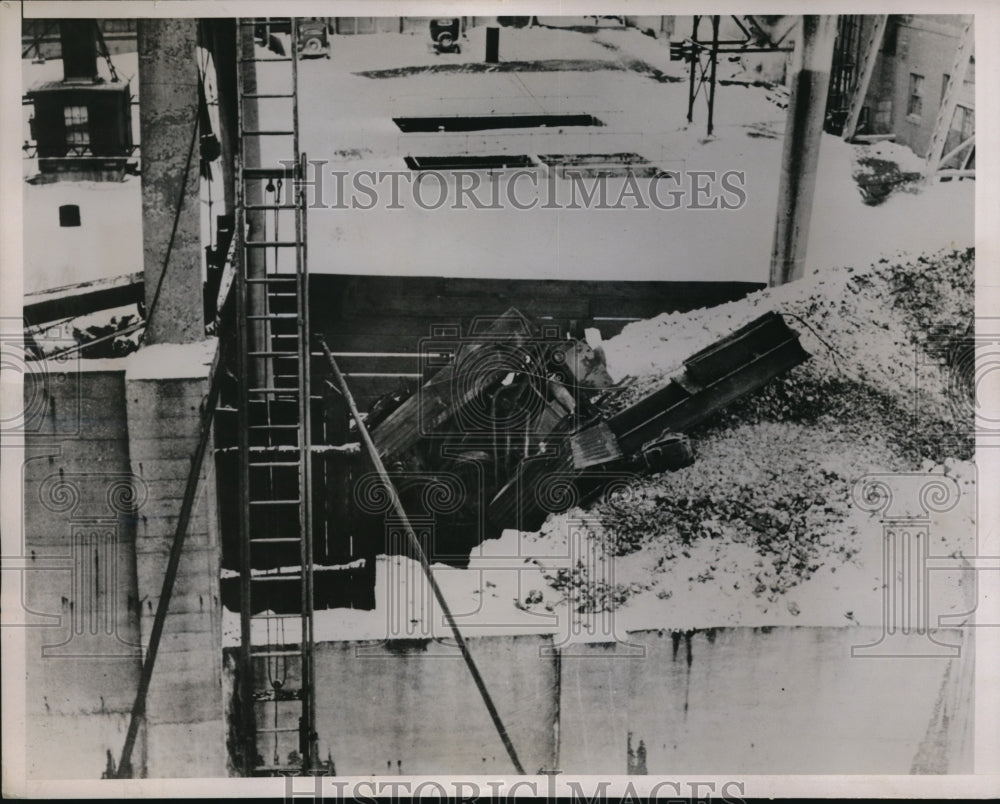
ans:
(694, 63)
(713, 67)
(800, 152)
(557, 715)
(492, 45)
(171, 212)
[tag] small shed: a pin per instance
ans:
(82, 126)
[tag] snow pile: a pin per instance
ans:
(885, 167)
(764, 527)
(869, 328)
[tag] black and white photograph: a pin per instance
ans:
(590, 405)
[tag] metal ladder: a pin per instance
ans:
(278, 717)
(864, 75)
(949, 100)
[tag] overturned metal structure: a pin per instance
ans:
(514, 423)
(507, 428)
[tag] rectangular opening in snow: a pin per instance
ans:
(474, 162)
(493, 121)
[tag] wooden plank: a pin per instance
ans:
(342, 294)
(81, 299)
(949, 102)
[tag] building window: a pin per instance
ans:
(883, 115)
(889, 37)
(964, 122)
(77, 125)
(915, 104)
(69, 215)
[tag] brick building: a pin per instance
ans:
(915, 58)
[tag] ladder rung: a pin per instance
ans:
(273, 391)
(274, 502)
(272, 280)
(272, 354)
(264, 132)
(267, 95)
(276, 653)
(272, 316)
(265, 771)
(271, 464)
(270, 243)
(279, 730)
(270, 206)
(276, 59)
(269, 172)
(274, 427)
(273, 616)
(275, 540)
(268, 578)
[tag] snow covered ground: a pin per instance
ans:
(347, 125)
(347, 120)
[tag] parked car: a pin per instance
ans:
(314, 41)
(445, 33)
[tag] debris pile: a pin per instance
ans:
(768, 499)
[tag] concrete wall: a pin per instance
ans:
(391, 314)
(106, 458)
(748, 700)
(727, 700)
(82, 657)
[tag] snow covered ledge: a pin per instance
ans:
(165, 385)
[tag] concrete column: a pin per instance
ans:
(168, 114)
(800, 155)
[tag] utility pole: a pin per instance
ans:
(812, 60)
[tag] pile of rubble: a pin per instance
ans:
(768, 499)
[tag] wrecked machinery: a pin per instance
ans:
(510, 428)
(509, 425)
